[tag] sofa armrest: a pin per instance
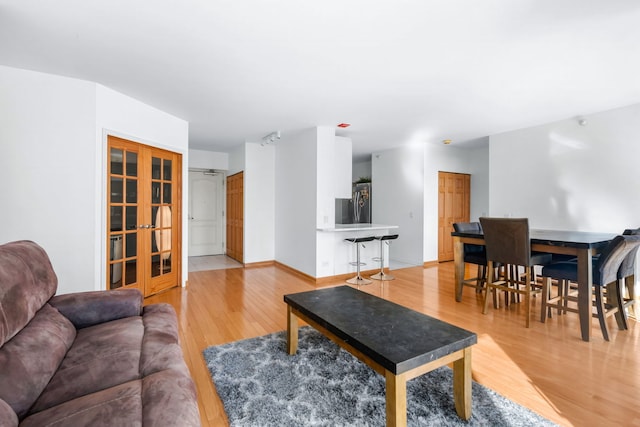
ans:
(91, 308)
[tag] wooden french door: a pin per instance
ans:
(235, 216)
(454, 200)
(143, 217)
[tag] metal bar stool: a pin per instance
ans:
(383, 239)
(358, 280)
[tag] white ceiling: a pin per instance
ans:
(399, 71)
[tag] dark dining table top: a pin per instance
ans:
(572, 239)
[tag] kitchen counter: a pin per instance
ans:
(357, 227)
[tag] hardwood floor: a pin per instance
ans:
(546, 368)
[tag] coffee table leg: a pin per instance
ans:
(462, 384)
(292, 331)
(396, 399)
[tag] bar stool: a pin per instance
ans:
(383, 239)
(358, 280)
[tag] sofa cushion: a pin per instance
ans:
(116, 406)
(164, 399)
(28, 281)
(160, 345)
(8, 417)
(30, 359)
(102, 356)
(169, 399)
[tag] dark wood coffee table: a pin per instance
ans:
(395, 341)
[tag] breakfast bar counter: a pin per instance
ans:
(358, 227)
(334, 255)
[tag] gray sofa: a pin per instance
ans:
(85, 359)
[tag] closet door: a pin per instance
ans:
(454, 195)
(143, 211)
(235, 216)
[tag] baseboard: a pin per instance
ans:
(344, 277)
(295, 272)
(330, 279)
(260, 264)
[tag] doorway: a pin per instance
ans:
(206, 213)
(454, 200)
(144, 197)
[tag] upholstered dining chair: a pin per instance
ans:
(626, 275)
(605, 270)
(473, 254)
(507, 242)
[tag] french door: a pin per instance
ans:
(143, 217)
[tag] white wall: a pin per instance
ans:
(237, 160)
(325, 173)
(50, 154)
(296, 198)
(202, 159)
(259, 203)
(361, 169)
(397, 194)
(54, 132)
(565, 176)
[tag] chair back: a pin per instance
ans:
(611, 258)
(473, 227)
(462, 227)
(507, 240)
(628, 266)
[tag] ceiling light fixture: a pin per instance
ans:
(446, 141)
(271, 138)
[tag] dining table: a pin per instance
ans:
(581, 244)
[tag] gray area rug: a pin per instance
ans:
(323, 385)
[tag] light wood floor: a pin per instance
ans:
(546, 368)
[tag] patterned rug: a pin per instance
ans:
(323, 385)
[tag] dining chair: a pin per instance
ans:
(626, 275)
(473, 254)
(507, 242)
(605, 268)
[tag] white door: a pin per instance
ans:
(206, 213)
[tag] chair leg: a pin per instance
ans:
(479, 279)
(621, 314)
(600, 308)
(629, 284)
(546, 292)
(527, 296)
(489, 289)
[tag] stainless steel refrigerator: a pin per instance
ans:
(361, 204)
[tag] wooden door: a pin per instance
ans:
(235, 216)
(206, 213)
(454, 196)
(143, 217)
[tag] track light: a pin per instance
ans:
(271, 138)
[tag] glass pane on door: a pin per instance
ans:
(161, 216)
(123, 217)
